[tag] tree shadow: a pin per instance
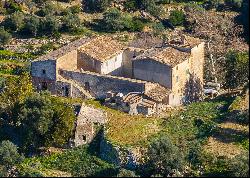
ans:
(94, 145)
(229, 135)
(193, 90)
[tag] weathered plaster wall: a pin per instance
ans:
(113, 66)
(152, 71)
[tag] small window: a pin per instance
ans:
(187, 71)
(84, 138)
(176, 67)
(44, 86)
(173, 96)
(177, 78)
(86, 86)
(44, 71)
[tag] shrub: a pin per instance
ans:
(164, 157)
(234, 4)
(96, 5)
(71, 23)
(138, 25)
(9, 155)
(177, 18)
(75, 9)
(131, 5)
(237, 69)
(239, 165)
(5, 37)
(49, 9)
(31, 26)
(126, 173)
(12, 7)
(151, 7)
(158, 28)
(14, 22)
(114, 20)
(50, 25)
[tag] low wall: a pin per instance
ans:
(99, 84)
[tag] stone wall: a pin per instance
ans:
(38, 83)
(87, 117)
(198, 60)
(45, 69)
(153, 71)
(99, 85)
(68, 61)
(88, 63)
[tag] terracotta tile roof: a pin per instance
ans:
(168, 55)
(147, 103)
(132, 98)
(158, 93)
(102, 48)
(54, 55)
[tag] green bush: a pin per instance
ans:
(163, 157)
(9, 155)
(76, 161)
(44, 121)
(96, 5)
(75, 9)
(234, 4)
(114, 20)
(31, 26)
(14, 22)
(131, 5)
(12, 7)
(71, 23)
(5, 36)
(177, 18)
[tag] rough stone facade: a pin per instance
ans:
(99, 84)
(86, 119)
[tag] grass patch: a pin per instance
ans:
(77, 162)
(126, 130)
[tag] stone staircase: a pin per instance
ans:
(76, 85)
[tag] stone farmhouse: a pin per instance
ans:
(136, 80)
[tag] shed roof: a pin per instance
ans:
(158, 93)
(56, 54)
(102, 48)
(169, 56)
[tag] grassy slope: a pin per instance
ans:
(75, 162)
(124, 129)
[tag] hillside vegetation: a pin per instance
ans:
(206, 138)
